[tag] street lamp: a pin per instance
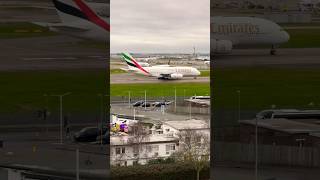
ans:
(61, 108)
(175, 99)
(239, 108)
(129, 100)
(101, 116)
(145, 99)
(46, 113)
(256, 145)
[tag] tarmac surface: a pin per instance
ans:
(49, 53)
(154, 114)
(130, 78)
(285, 57)
(43, 151)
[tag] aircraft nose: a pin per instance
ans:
(198, 72)
(286, 36)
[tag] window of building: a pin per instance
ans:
(135, 162)
(170, 147)
(155, 147)
(135, 149)
(118, 150)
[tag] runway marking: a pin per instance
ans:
(49, 58)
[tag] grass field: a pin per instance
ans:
(117, 71)
(161, 89)
(303, 38)
(260, 88)
(24, 91)
(205, 73)
(22, 29)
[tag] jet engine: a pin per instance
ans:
(221, 46)
(176, 76)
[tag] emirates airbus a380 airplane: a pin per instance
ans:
(81, 19)
(163, 72)
(230, 32)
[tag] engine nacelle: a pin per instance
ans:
(221, 46)
(176, 76)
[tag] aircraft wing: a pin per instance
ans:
(127, 69)
(61, 27)
(69, 28)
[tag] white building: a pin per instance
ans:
(129, 150)
(174, 128)
(162, 142)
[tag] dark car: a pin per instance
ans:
(88, 134)
(105, 138)
(145, 104)
(137, 104)
(163, 103)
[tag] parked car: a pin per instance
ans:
(88, 134)
(145, 104)
(163, 103)
(137, 104)
(105, 138)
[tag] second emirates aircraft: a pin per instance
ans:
(165, 72)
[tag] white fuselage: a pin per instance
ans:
(157, 71)
(247, 31)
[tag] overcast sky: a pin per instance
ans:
(160, 26)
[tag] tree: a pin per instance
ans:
(194, 148)
(138, 136)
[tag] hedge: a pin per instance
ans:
(172, 171)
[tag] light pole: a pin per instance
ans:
(175, 99)
(129, 100)
(46, 113)
(256, 145)
(239, 107)
(101, 116)
(190, 110)
(77, 165)
(61, 115)
(145, 100)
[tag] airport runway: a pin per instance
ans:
(129, 78)
(302, 57)
(27, 11)
(49, 53)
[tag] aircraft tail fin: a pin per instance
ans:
(68, 11)
(132, 63)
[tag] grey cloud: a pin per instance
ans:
(160, 25)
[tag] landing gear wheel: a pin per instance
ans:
(273, 52)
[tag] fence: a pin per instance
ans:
(267, 154)
(186, 110)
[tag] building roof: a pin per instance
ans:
(193, 124)
(285, 125)
(122, 140)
